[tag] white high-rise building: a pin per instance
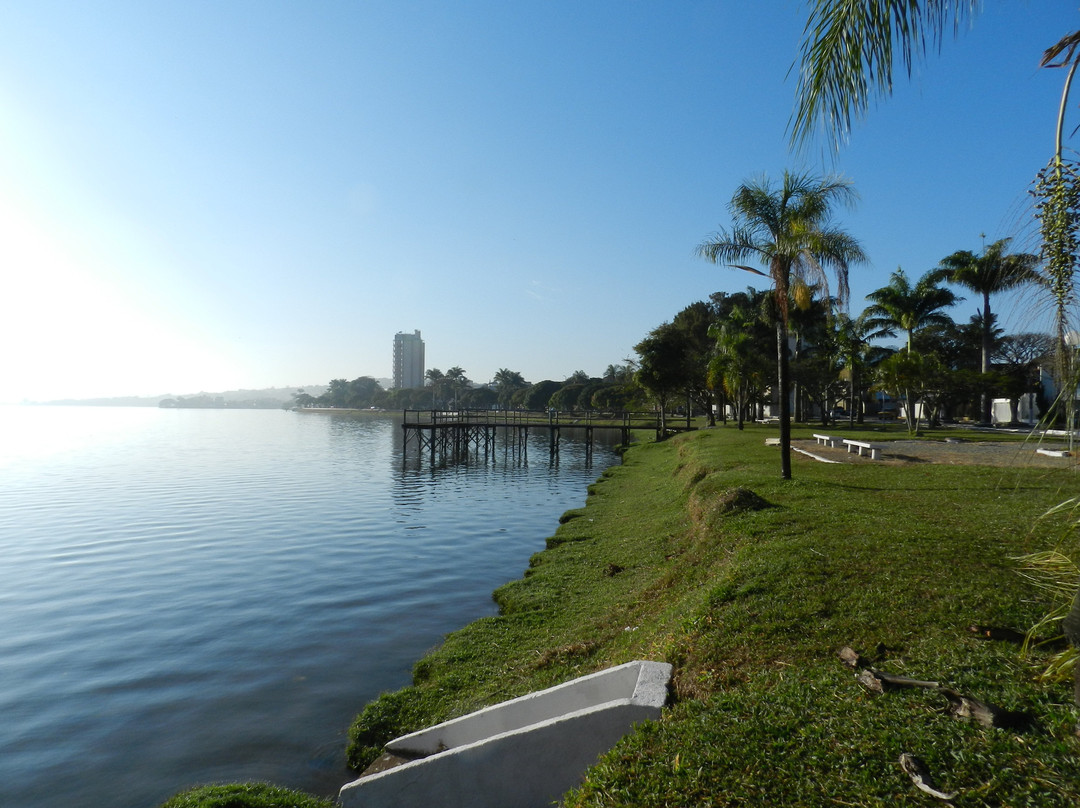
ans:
(408, 360)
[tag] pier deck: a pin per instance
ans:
(456, 433)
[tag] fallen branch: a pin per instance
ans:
(960, 706)
(920, 776)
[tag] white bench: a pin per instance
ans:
(827, 440)
(858, 445)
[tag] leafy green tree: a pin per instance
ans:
(336, 395)
(912, 377)
(406, 398)
(817, 369)
(991, 273)
(539, 395)
(620, 396)
(479, 398)
(1018, 357)
(568, 397)
(694, 323)
(363, 392)
(507, 383)
(956, 346)
(661, 370)
(788, 229)
(903, 307)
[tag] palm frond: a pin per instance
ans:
(848, 51)
(749, 269)
(1067, 45)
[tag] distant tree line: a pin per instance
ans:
(616, 389)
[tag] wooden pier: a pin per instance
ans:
(454, 435)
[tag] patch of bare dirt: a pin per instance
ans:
(963, 452)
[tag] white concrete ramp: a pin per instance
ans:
(521, 753)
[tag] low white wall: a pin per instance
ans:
(522, 753)
(579, 694)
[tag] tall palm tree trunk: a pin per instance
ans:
(987, 349)
(851, 391)
(784, 385)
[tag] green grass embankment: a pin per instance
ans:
(751, 607)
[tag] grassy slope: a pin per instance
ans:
(751, 608)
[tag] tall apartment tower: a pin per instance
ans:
(408, 360)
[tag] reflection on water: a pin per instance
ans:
(206, 595)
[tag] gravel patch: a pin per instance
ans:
(978, 453)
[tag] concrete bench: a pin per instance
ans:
(859, 445)
(827, 440)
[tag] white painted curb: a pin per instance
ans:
(521, 753)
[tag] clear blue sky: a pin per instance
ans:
(210, 195)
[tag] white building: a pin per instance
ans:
(408, 360)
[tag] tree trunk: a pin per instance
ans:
(909, 410)
(851, 393)
(987, 347)
(783, 382)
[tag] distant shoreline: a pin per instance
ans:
(367, 411)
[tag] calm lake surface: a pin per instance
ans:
(191, 596)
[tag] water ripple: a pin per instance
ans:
(211, 595)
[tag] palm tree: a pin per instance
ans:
(854, 336)
(507, 382)
(990, 273)
(437, 379)
(901, 306)
(789, 230)
(729, 368)
(457, 381)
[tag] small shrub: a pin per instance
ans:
(245, 795)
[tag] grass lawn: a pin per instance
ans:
(751, 607)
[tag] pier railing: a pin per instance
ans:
(532, 418)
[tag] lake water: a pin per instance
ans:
(191, 596)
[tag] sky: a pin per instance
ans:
(218, 194)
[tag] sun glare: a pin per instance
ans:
(71, 332)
